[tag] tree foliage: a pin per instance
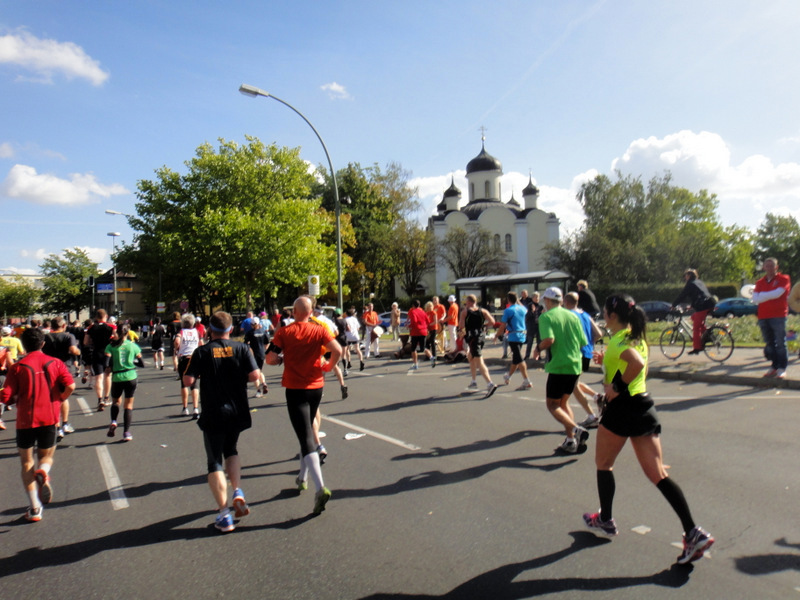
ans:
(471, 253)
(412, 245)
(239, 223)
(779, 237)
(66, 281)
(637, 233)
(18, 297)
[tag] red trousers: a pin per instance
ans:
(698, 328)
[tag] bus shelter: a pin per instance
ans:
(491, 290)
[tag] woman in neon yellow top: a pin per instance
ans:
(630, 413)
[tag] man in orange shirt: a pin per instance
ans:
(441, 313)
(298, 346)
(452, 323)
(371, 321)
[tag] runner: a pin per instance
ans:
(353, 338)
(225, 367)
(418, 330)
(256, 338)
(431, 341)
(157, 343)
(513, 326)
(121, 353)
(303, 377)
(472, 322)
(63, 346)
(96, 339)
(37, 384)
(187, 340)
(631, 413)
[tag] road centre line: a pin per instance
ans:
(113, 483)
(87, 412)
(374, 434)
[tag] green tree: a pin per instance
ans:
(66, 281)
(18, 297)
(239, 223)
(779, 237)
(471, 253)
(412, 245)
(637, 233)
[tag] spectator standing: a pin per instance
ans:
(394, 321)
(772, 294)
(371, 321)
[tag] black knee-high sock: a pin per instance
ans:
(127, 417)
(606, 487)
(114, 411)
(672, 492)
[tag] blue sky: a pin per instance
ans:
(95, 96)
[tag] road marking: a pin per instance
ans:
(113, 483)
(374, 434)
(87, 412)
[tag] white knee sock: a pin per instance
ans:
(312, 464)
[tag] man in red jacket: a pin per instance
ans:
(772, 294)
(38, 384)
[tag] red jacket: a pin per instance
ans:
(777, 307)
(35, 384)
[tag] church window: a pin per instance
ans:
(497, 241)
(486, 193)
(508, 242)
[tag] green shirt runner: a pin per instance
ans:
(564, 327)
(122, 357)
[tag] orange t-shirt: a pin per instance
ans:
(302, 364)
(432, 323)
(441, 311)
(371, 318)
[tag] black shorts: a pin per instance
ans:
(183, 364)
(516, 352)
(586, 362)
(42, 437)
(126, 387)
(559, 385)
(219, 446)
(418, 343)
(475, 346)
(98, 365)
(631, 416)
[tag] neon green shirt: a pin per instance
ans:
(564, 327)
(122, 357)
(612, 362)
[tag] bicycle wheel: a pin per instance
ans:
(672, 342)
(719, 343)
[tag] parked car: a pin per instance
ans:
(656, 310)
(734, 307)
(386, 319)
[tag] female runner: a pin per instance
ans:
(121, 353)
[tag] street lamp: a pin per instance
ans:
(114, 235)
(253, 92)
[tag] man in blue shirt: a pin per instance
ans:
(513, 325)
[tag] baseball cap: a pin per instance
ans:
(553, 293)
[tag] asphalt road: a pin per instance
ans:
(446, 496)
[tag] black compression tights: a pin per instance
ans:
(303, 406)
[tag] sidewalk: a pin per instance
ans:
(746, 366)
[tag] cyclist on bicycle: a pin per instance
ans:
(697, 295)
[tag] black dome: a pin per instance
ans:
(530, 188)
(452, 190)
(484, 162)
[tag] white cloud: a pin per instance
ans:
(24, 183)
(44, 58)
(746, 192)
(38, 254)
(336, 91)
(6, 150)
(16, 271)
(97, 255)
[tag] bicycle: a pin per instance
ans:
(718, 342)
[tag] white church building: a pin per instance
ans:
(520, 230)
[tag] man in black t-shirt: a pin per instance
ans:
(225, 367)
(61, 345)
(257, 338)
(97, 337)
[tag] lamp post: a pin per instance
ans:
(114, 235)
(252, 91)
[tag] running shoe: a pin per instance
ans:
(59, 434)
(433, 362)
(414, 367)
(301, 485)
(490, 389)
(506, 378)
(2, 425)
(224, 523)
(240, 508)
(84, 378)
(361, 368)
(321, 499)
(323, 454)
(34, 515)
(68, 428)
(344, 392)
(111, 429)
(695, 545)
(258, 392)
(264, 389)
(345, 372)
(44, 485)
(473, 387)
(526, 385)
(196, 414)
(771, 373)
(781, 374)
(581, 435)
(569, 445)
(127, 437)
(100, 406)
(590, 422)
(185, 412)
(596, 524)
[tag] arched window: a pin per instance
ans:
(497, 241)
(471, 191)
(486, 188)
(508, 242)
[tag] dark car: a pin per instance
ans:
(734, 307)
(656, 310)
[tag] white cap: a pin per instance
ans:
(451, 298)
(553, 293)
(6, 330)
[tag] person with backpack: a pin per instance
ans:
(697, 295)
(37, 384)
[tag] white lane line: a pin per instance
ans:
(374, 434)
(113, 483)
(87, 412)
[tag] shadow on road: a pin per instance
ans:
(478, 446)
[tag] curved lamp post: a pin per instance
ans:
(252, 91)
(114, 235)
